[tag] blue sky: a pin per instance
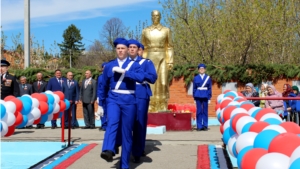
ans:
(49, 18)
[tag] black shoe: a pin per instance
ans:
(144, 154)
(53, 127)
(38, 126)
(117, 150)
(136, 159)
(204, 128)
(86, 127)
(29, 127)
(42, 126)
(73, 127)
(107, 155)
(200, 129)
(92, 127)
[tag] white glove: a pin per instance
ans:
(118, 69)
(208, 101)
(100, 111)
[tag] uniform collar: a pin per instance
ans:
(119, 60)
(159, 27)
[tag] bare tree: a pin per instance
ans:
(112, 29)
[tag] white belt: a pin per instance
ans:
(202, 88)
(123, 91)
(144, 82)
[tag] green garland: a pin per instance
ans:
(242, 74)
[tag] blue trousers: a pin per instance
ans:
(202, 113)
(120, 116)
(140, 127)
(74, 122)
(53, 123)
(104, 117)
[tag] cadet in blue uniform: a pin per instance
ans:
(119, 83)
(9, 84)
(143, 97)
(101, 104)
(202, 95)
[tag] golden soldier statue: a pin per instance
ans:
(158, 48)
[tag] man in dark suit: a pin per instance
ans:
(72, 94)
(88, 97)
(9, 84)
(56, 84)
(38, 87)
(24, 87)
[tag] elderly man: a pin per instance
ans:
(88, 97)
(119, 86)
(24, 87)
(9, 84)
(39, 86)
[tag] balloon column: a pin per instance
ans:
(30, 109)
(257, 137)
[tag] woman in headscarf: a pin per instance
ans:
(296, 91)
(251, 92)
(290, 105)
(263, 93)
(277, 105)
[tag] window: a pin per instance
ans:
(229, 86)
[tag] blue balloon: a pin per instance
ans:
(247, 102)
(264, 138)
(68, 104)
(241, 155)
(255, 113)
(0, 126)
(26, 99)
(246, 128)
(50, 98)
(234, 150)
(3, 111)
(227, 134)
(26, 108)
(60, 114)
(295, 164)
(273, 121)
(44, 118)
(231, 93)
(23, 124)
(50, 109)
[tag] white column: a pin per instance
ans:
(26, 33)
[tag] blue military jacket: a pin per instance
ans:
(200, 91)
(110, 79)
(143, 90)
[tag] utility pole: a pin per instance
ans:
(70, 50)
(26, 33)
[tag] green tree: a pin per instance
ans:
(71, 45)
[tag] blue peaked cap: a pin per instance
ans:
(142, 46)
(121, 41)
(134, 42)
(202, 65)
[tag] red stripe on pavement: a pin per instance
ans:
(203, 161)
(75, 157)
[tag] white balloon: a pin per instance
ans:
(251, 111)
(226, 125)
(234, 103)
(295, 155)
(231, 142)
(2, 101)
(50, 116)
(270, 115)
(242, 122)
(56, 98)
(238, 97)
(35, 102)
(238, 111)
(244, 140)
(276, 128)
(56, 108)
(218, 111)
(49, 92)
(4, 128)
(10, 106)
(220, 97)
(273, 161)
(36, 113)
(30, 119)
(9, 119)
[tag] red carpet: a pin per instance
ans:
(203, 161)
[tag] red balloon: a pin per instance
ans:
(251, 157)
(263, 112)
(18, 103)
(62, 105)
(8, 98)
(40, 97)
(227, 112)
(291, 127)
(284, 143)
(235, 119)
(247, 106)
(10, 131)
(241, 100)
(231, 97)
(240, 94)
(55, 116)
(37, 121)
(258, 126)
(19, 118)
(60, 94)
(226, 91)
(224, 103)
(221, 129)
(43, 107)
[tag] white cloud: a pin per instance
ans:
(46, 11)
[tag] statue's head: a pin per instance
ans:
(155, 15)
